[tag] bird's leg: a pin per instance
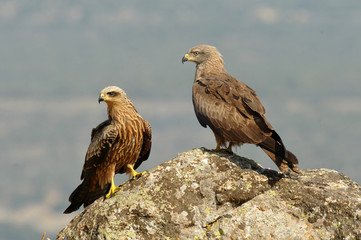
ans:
(218, 148)
(135, 174)
(112, 189)
(229, 149)
(219, 141)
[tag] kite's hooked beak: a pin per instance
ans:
(101, 98)
(185, 58)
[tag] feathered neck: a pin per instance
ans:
(117, 110)
(210, 68)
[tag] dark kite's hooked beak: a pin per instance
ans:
(100, 99)
(184, 59)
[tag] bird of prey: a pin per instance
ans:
(118, 145)
(232, 109)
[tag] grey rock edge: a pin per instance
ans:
(205, 195)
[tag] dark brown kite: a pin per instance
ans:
(232, 109)
(118, 145)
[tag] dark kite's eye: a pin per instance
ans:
(111, 93)
(195, 53)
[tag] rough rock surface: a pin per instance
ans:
(204, 195)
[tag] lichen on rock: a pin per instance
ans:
(205, 195)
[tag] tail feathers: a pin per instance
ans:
(274, 148)
(290, 157)
(81, 195)
(77, 198)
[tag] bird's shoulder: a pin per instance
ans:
(104, 133)
(229, 91)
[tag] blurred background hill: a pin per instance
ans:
(302, 57)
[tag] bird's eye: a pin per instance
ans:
(195, 53)
(111, 93)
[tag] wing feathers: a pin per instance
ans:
(102, 139)
(220, 105)
(235, 114)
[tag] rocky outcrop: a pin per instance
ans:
(204, 195)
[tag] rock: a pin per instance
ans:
(204, 195)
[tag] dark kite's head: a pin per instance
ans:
(202, 53)
(112, 94)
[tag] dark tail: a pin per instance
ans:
(81, 195)
(275, 149)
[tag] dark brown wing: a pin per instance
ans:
(102, 138)
(147, 144)
(231, 109)
(235, 114)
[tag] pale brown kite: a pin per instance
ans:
(118, 145)
(232, 109)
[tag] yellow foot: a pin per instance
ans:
(138, 175)
(222, 150)
(113, 189)
(135, 174)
